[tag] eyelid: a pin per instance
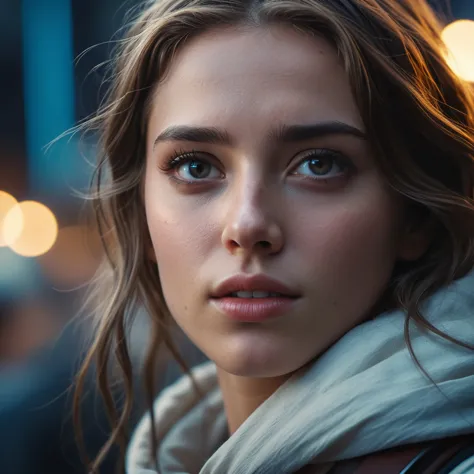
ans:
(179, 157)
(338, 156)
(182, 157)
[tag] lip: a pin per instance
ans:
(252, 283)
(253, 309)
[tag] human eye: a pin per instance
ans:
(322, 165)
(191, 167)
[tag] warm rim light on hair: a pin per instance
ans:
(7, 202)
(30, 229)
(459, 39)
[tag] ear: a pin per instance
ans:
(415, 240)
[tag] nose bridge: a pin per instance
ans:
(250, 201)
(251, 220)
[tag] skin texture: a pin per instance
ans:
(333, 239)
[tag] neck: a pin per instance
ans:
(243, 395)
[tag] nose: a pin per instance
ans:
(251, 226)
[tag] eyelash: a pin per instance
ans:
(180, 157)
(177, 159)
(338, 158)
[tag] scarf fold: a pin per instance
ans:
(363, 395)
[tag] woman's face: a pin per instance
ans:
(257, 165)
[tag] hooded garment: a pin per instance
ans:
(364, 394)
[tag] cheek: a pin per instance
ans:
(180, 235)
(350, 249)
(182, 240)
(368, 232)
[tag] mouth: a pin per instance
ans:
(253, 298)
(256, 295)
(254, 309)
(253, 286)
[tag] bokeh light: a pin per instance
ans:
(7, 202)
(459, 40)
(30, 229)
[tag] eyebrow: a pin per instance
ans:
(284, 133)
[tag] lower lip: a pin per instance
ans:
(253, 309)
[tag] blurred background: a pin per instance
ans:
(51, 62)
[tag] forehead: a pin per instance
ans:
(244, 76)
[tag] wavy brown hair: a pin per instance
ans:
(418, 115)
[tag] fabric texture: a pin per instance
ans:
(363, 395)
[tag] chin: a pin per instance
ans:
(257, 361)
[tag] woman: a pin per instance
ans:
(291, 183)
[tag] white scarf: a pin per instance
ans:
(363, 395)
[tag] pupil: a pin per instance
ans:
(320, 165)
(198, 169)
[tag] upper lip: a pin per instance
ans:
(252, 283)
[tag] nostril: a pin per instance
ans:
(233, 245)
